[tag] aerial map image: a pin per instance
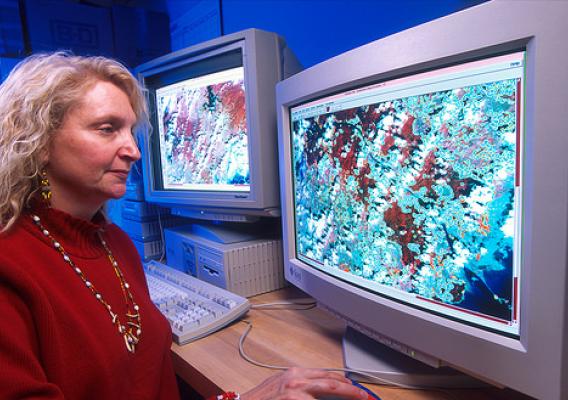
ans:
(203, 133)
(415, 193)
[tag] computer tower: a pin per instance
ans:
(246, 267)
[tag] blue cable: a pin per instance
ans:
(369, 392)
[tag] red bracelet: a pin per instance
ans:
(226, 396)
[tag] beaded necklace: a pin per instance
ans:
(130, 331)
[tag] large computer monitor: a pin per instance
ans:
(424, 182)
(212, 152)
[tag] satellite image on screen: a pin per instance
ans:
(203, 133)
(415, 193)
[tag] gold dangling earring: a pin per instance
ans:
(45, 188)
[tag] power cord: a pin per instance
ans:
(299, 304)
(283, 368)
(307, 304)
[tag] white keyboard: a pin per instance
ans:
(194, 308)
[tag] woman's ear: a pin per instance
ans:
(44, 156)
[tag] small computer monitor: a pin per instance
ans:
(424, 191)
(212, 149)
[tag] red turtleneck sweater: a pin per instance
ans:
(56, 340)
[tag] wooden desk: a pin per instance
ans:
(309, 338)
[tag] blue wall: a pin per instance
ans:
(320, 29)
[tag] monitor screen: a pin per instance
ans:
(203, 133)
(410, 188)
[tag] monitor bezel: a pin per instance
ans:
(386, 291)
(263, 64)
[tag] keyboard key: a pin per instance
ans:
(194, 308)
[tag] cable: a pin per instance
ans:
(283, 368)
(299, 304)
(369, 391)
(161, 228)
(382, 381)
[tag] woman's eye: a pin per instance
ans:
(106, 129)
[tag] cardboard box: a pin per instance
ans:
(11, 32)
(149, 250)
(139, 35)
(141, 211)
(57, 25)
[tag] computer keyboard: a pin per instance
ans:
(194, 308)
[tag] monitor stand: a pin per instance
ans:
(365, 354)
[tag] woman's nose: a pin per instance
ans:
(129, 147)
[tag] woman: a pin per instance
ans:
(77, 321)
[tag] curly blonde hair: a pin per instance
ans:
(33, 102)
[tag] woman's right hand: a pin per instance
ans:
(305, 384)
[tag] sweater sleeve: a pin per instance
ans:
(21, 372)
(225, 396)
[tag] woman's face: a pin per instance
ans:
(91, 154)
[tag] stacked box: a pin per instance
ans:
(142, 221)
(147, 231)
(139, 35)
(149, 250)
(140, 211)
(56, 25)
(134, 191)
(11, 32)
(132, 35)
